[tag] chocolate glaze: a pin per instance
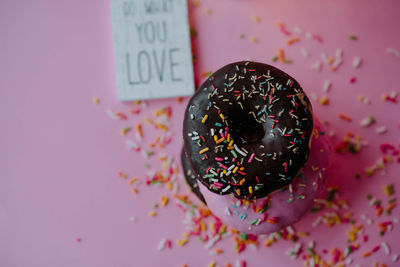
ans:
(268, 117)
(190, 177)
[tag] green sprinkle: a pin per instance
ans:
(357, 176)
(253, 221)
(353, 37)
(369, 196)
(243, 236)
(234, 153)
(275, 58)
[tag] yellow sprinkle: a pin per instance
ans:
(181, 242)
(152, 213)
(196, 3)
(212, 264)
(235, 169)
(215, 138)
(222, 229)
(204, 150)
(204, 118)
(208, 11)
(228, 138)
(254, 39)
(96, 100)
(203, 226)
(148, 120)
(222, 116)
(250, 190)
(256, 19)
(169, 185)
(324, 100)
(230, 143)
(164, 201)
(125, 131)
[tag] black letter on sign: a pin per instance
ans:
(128, 66)
(160, 70)
(173, 64)
(140, 69)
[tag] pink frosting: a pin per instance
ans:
(285, 206)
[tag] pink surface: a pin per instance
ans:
(315, 172)
(60, 153)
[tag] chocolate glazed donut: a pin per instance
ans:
(247, 130)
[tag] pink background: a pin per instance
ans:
(60, 153)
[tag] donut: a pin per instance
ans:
(190, 178)
(247, 130)
(283, 207)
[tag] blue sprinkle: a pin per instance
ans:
(243, 216)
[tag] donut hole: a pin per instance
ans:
(245, 128)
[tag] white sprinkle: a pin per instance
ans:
(337, 63)
(305, 52)
(228, 211)
(317, 222)
(385, 248)
(381, 130)
(349, 261)
(393, 94)
(367, 121)
(191, 116)
(212, 241)
(395, 257)
(309, 35)
(290, 230)
(325, 58)
(226, 189)
(298, 30)
(339, 53)
(112, 115)
(130, 144)
(175, 187)
(195, 137)
(133, 219)
(327, 85)
(162, 244)
(239, 151)
(393, 51)
(316, 65)
(356, 62)
(212, 132)
(213, 172)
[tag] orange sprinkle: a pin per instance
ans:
(367, 254)
(139, 130)
(135, 191)
(390, 207)
(220, 140)
(344, 117)
(281, 55)
(292, 40)
(379, 211)
(179, 99)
